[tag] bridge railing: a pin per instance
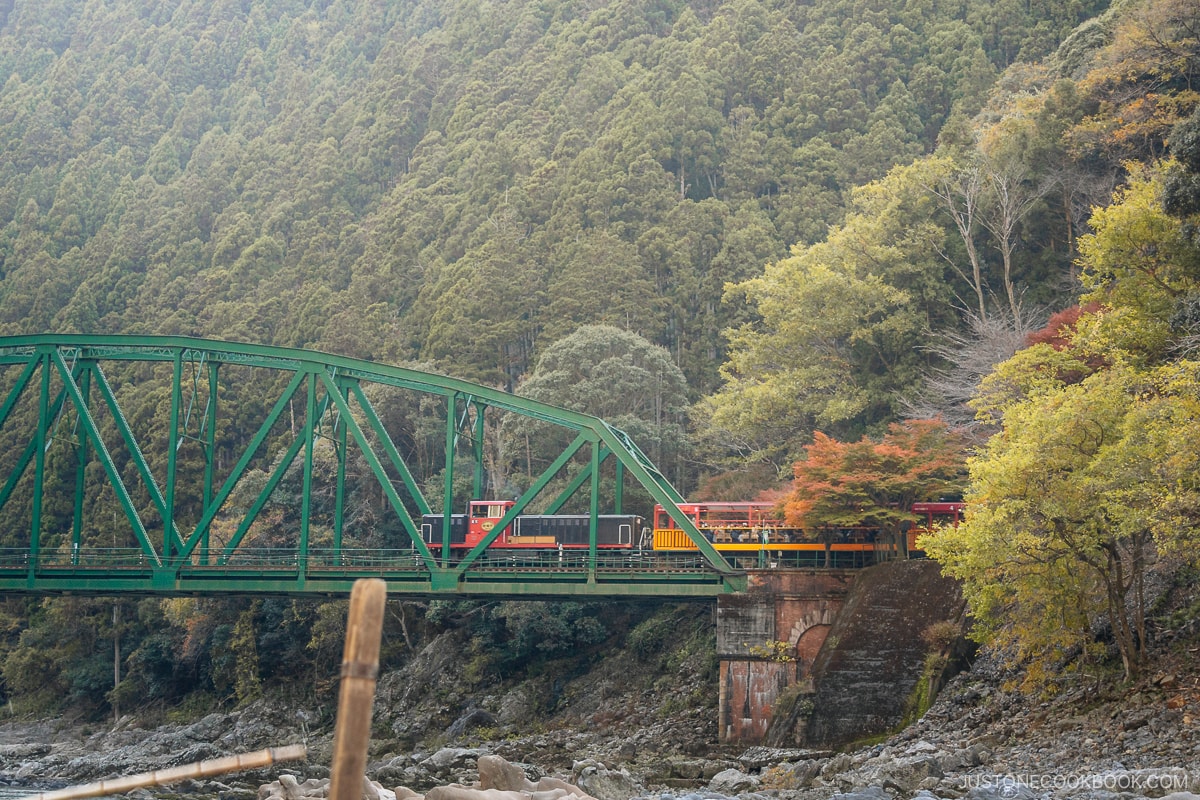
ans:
(384, 560)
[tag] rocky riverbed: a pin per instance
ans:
(978, 741)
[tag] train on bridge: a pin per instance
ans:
(748, 534)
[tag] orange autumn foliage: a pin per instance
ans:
(874, 484)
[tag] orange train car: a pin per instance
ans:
(751, 534)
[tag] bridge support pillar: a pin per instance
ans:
(767, 640)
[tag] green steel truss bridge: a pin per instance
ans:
(155, 465)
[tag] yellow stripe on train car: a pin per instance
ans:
(672, 539)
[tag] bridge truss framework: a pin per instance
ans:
(58, 396)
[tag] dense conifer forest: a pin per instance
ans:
(811, 221)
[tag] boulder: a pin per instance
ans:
(903, 774)
(450, 758)
(733, 781)
(496, 773)
(457, 791)
(598, 781)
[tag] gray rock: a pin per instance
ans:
(450, 758)
(962, 759)
(496, 773)
(1001, 790)
(291, 787)
(759, 757)
(603, 783)
(733, 781)
(905, 774)
(836, 765)
(34, 769)
(23, 752)
(868, 793)
(803, 772)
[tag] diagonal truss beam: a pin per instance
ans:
(389, 447)
(139, 460)
(524, 500)
(110, 469)
(239, 469)
(377, 468)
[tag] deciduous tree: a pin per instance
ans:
(873, 484)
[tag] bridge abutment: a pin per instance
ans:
(767, 641)
(834, 655)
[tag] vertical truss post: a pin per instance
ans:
(173, 443)
(477, 448)
(39, 469)
(339, 499)
(14, 395)
(210, 450)
(310, 427)
(81, 450)
(594, 512)
(448, 489)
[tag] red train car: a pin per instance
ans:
(935, 514)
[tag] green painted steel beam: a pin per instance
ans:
(377, 469)
(389, 447)
(331, 383)
(519, 506)
(110, 468)
(239, 469)
(316, 585)
(139, 460)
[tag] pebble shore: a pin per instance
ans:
(979, 741)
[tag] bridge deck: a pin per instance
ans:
(325, 572)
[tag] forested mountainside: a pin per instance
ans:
(799, 217)
(374, 178)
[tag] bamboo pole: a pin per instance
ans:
(199, 769)
(356, 695)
